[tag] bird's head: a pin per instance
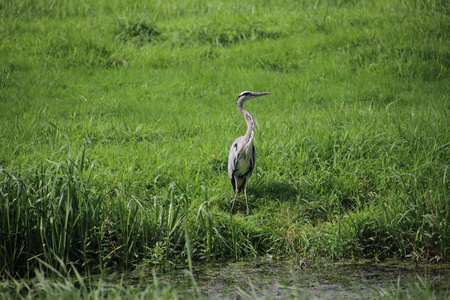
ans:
(244, 96)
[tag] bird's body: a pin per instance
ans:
(242, 156)
(242, 167)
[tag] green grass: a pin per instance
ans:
(116, 120)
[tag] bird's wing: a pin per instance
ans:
(232, 157)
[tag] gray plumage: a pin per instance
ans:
(242, 156)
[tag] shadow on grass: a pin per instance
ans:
(275, 190)
(262, 194)
(310, 206)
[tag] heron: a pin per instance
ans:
(242, 156)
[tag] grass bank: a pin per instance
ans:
(116, 119)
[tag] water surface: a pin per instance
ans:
(281, 279)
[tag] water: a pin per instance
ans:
(280, 279)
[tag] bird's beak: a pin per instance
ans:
(260, 94)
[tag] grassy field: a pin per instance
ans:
(116, 118)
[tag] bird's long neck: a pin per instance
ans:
(250, 134)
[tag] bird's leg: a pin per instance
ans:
(234, 200)
(246, 201)
(235, 193)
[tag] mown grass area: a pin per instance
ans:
(116, 119)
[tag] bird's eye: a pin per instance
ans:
(245, 94)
